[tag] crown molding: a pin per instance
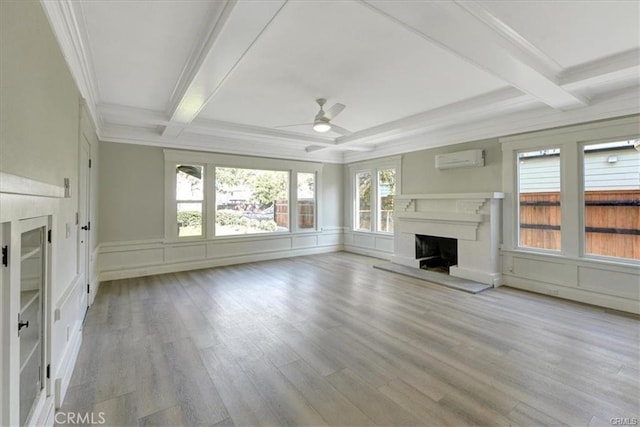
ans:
(124, 116)
(624, 66)
(500, 113)
(67, 21)
(217, 144)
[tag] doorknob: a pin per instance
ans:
(22, 324)
(86, 227)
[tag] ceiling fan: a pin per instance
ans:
(322, 121)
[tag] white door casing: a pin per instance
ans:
(84, 223)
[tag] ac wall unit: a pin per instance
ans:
(460, 159)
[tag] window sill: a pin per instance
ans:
(242, 237)
(369, 233)
(584, 260)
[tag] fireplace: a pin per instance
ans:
(436, 253)
(464, 232)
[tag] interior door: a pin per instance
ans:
(84, 225)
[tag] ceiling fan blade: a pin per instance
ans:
(334, 111)
(290, 126)
(312, 148)
(342, 131)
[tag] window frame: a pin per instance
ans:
(296, 223)
(378, 199)
(211, 161)
(203, 201)
(571, 141)
(373, 167)
(516, 192)
(289, 194)
(356, 201)
(582, 203)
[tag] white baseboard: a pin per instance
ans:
(494, 279)
(44, 414)
(147, 270)
(368, 252)
(63, 376)
(574, 294)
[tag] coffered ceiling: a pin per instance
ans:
(228, 76)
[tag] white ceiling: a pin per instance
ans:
(225, 75)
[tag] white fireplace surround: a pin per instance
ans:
(472, 218)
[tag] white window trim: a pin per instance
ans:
(516, 201)
(210, 162)
(372, 166)
(571, 141)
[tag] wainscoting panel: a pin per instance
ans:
(371, 244)
(69, 312)
(228, 247)
(185, 253)
(119, 260)
(595, 282)
(545, 271)
(600, 280)
(330, 239)
(384, 244)
(129, 256)
(305, 241)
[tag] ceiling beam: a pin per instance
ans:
(239, 24)
(467, 34)
(621, 67)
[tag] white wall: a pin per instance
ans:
(39, 127)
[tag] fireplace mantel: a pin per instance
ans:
(472, 218)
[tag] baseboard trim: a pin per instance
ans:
(368, 252)
(493, 279)
(151, 269)
(63, 375)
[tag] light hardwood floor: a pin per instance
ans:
(328, 339)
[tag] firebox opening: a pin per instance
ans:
(436, 253)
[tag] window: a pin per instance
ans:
(612, 199)
(306, 200)
(574, 192)
(189, 199)
(363, 201)
(219, 195)
(539, 199)
(250, 201)
(375, 183)
(386, 191)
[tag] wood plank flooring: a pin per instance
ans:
(329, 340)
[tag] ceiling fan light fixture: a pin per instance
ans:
(321, 126)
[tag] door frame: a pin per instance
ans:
(84, 212)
